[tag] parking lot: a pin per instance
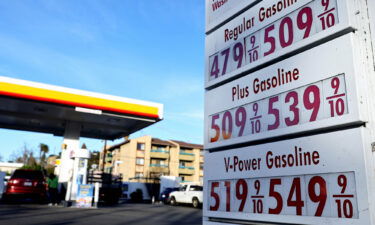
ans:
(136, 214)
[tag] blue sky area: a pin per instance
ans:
(143, 49)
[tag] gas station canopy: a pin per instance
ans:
(32, 106)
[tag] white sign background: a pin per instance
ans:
(215, 41)
(218, 11)
(315, 65)
(341, 156)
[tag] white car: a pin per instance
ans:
(188, 194)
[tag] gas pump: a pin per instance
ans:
(79, 175)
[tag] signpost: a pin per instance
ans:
(85, 196)
(289, 114)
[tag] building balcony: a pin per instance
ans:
(186, 170)
(108, 159)
(186, 156)
(161, 154)
(158, 168)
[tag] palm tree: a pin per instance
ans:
(43, 151)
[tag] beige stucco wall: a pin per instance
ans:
(128, 153)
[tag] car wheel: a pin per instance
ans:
(195, 203)
(173, 201)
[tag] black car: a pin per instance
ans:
(164, 196)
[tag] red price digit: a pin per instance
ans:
(255, 109)
(314, 103)
(305, 24)
(253, 53)
(335, 84)
(257, 203)
(257, 206)
(345, 207)
(255, 126)
(277, 196)
(227, 185)
(225, 53)
(342, 181)
(269, 39)
(255, 123)
(327, 18)
(257, 186)
(293, 108)
(215, 67)
(325, 3)
(241, 195)
(241, 120)
(274, 111)
(286, 23)
(320, 198)
(296, 190)
(215, 195)
(215, 127)
(227, 125)
(336, 107)
(238, 53)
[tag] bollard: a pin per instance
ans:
(96, 195)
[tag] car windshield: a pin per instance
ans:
(196, 188)
(28, 174)
(170, 189)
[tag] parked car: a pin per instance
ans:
(26, 185)
(164, 196)
(188, 194)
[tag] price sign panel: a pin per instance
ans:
(290, 181)
(306, 92)
(218, 11)
(269, 30)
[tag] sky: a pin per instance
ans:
(142, 49)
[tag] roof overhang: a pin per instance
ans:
(32, 106)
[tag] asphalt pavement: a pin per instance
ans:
(132, 214)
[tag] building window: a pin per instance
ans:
(183, 179)
(155, 175)
(140, 161)
(182, 163)
(138, 175)
(141, 146)
(201, 166)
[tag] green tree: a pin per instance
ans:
(94, 159)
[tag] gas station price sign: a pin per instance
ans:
(319, 195)
(289, 114)
(302, 177)
(306, 104)
(288, 97)
(262, 34)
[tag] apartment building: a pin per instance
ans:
(145, 159)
